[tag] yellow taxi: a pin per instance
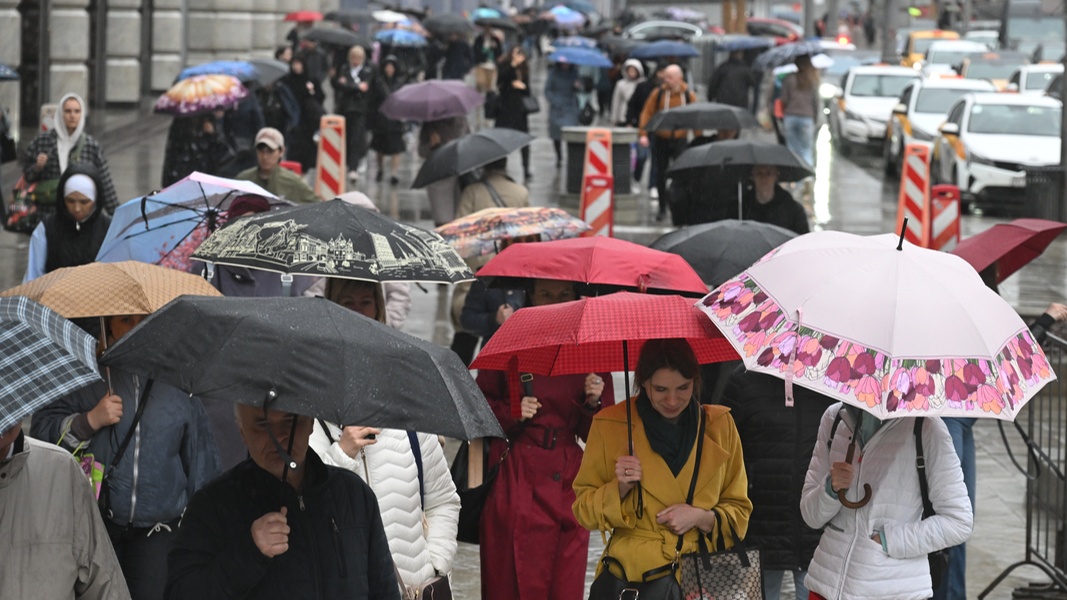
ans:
(918, 42)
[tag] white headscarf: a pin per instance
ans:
(82, 184)
(65, 141)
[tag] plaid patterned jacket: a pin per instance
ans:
(91, 152)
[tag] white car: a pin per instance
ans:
(920, 110)
(989, 37)
(943, 56)
(988, 141)
(1034, 79)
(865, 103)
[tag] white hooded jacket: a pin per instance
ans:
(624, 89)
(421, 531)
(848, 563)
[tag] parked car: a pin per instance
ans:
(865, 104)
(920, 110)
(988, 141)
(782, 31)
(834, 75)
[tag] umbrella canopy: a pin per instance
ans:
(597, 261)
(163, 228)
(617, 44)
(574, 41)
(446, 24)
(479, 233)
(317, 358)
(733, 43)
(486, 12)
(335, 239)
(109, 289)
(722, 250)
(431, 100)
(665, 49)
(304, 16)
(470, 152)
(582, 6)
(44, 357)
(785, 54)
(348, 16)
(8, 73)
(389, 16)
(565, 17)
(496, 23)
(269, 70)
(582, 57)
(240, 69)
(743, 155)
(200, 95)
(897, 332)
(333, 36)
(1010, 246)
(599, 334)
(400, 37)
(702, 115)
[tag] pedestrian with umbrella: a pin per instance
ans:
(486, 51)
(300, 141)
(457, 57)
(196, 143)
(733, 82)
(387, 135)
(801, 105)
(673, 93)
(513, 84)
(353, 87)
(47, 357)
(304, 20)
(561, 93)
(633, 75)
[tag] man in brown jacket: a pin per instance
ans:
(667, 144)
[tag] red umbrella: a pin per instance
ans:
(597, 261)
(1010, 245)
(604, 333)
(304, 16)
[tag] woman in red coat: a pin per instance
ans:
(531, 545)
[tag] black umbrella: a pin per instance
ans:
(785, 54)
(335, 239)
(743, 155)
(619, 45)
(348, 16)
(310, 357)
(336, 37)
(269, 70)
(496, 23)
(702, 115)
(470, 152)
(446, 24)
(721, 250)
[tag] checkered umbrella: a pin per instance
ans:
(42, 357)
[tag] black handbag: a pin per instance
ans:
(938, 559)
(530, 105)
(587, 114)
(471, 500)
(492, 105)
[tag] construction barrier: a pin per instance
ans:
(598, 195)
(914, 200)
(330, 172)
(944, 211)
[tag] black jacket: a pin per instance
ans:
(782, 210)
(778, 442)
(731, 82)
(337, 544)
(72, 244)
(348, 98)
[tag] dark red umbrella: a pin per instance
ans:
(304, 16)
(1010, 245)
(599, 334)
(599, 261)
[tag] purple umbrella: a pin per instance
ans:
(431, 100)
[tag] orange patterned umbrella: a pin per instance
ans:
(201, 94)
(108, 289)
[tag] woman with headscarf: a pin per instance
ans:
(300, 141)
(561, 91)
(51, 152)
(387, 135)
(73, 234)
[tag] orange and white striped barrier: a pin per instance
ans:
(330, 171)
(914, 200)
(598, 185)
(944, 218)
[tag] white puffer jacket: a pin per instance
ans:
(422, 535)
(848, 563)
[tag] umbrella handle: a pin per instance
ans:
(866, 487)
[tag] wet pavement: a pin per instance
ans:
(849, 195)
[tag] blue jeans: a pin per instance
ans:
(954, 586)
(800, 137)
(772, 584)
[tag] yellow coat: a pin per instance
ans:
(642, 544)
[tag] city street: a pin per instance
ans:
(849, 195)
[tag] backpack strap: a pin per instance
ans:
(417, 451)
(920, 465)
(833, 428)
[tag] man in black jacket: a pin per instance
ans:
(778, 441)
(353, 90)
(731, 82)
(264, 530)
(768, 202)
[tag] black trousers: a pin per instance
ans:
(142, 554)
(355, 138)
(663, 152)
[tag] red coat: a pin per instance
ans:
(532, 548)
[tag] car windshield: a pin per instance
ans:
(921, 45)
(947, 57)
(990, 70)
(1015, 119)
(879, 86)
(938, 100)
(1039, 81)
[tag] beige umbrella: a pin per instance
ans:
(109, 289)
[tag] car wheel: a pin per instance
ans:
(890, 167)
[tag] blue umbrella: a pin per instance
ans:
(574, 41)
(240, 69)
(665, 49)
(7, 73)
(400, 37)
(734, 43)
(566, 17)
(485, 12)
(583, 6)
(785, 54)
(582, 57)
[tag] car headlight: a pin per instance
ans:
(921, 135)
(978, 159)
(827, 91)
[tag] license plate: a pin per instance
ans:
(1018, 181)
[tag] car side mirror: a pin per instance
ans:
(900, 109)
(949, 129)
(1012, 87)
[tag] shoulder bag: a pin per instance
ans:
(939, 559)
(726, 573)
(104, 497)
(655, 584)
(530, 105)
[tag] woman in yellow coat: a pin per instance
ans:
(665, 416)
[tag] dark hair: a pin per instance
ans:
(279, 51)
(675, 354)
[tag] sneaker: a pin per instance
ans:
(653, 193)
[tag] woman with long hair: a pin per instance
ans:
(513, 82)
(800, 104)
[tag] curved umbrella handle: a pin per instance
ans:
(866, 487)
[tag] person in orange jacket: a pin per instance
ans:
(674, 92)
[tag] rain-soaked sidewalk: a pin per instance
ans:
(848, 196)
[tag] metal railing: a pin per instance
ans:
(1043, 428)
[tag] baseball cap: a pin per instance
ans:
(271, 137)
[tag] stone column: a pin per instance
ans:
(10, 54)
(168, 35)
(69, 42)
(123, 51)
